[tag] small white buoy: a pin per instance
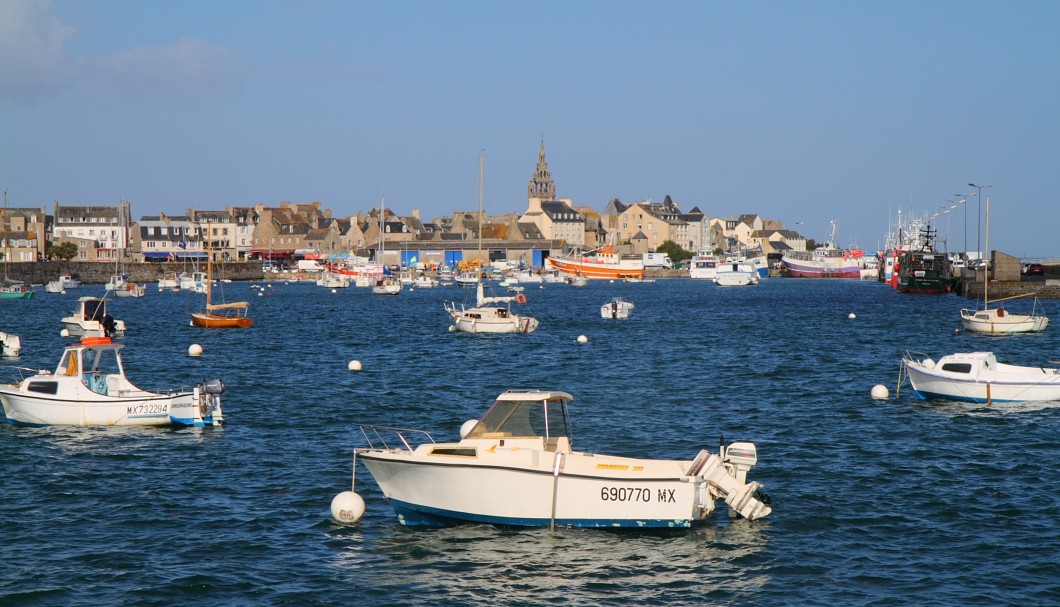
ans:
(582, 339)
(467, 426)
(347, 507)
(851, 315)
(452, 329)
(880, 392)
(355, 365)
(64, 333)
(194, 350)
(334, 290)
(261, 293)
(612, 281)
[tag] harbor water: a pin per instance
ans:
(875, 502)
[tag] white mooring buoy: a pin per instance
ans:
(583, 339)
(355, 365)
(194, 350)
(64, 333)
(347, 507)
(880, 392)
(851, 315)
(466, 427)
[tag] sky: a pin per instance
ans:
(805, 112)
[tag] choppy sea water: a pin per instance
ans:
(893, 502)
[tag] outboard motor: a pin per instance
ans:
(214, 386)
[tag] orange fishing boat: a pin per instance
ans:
(605, 262)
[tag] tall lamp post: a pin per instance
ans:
(963, 199)
(979, 207)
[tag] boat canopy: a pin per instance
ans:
(525, 414)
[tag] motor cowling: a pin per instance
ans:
(213, 386)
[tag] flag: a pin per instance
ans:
(182, 244)
(412, 260)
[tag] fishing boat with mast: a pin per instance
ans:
(231, 315)
(119, 283)
(828, 261)
(922, 269)
(386, 283)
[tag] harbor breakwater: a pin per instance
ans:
(94, 272)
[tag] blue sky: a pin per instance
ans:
(798, 111)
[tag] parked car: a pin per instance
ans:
(975, 264)
(1035, 268)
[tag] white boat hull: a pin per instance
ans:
(98, 410)
(979, 378)
(997, 321)
(485, 320)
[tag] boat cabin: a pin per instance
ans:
(97, 362)
(529, 419)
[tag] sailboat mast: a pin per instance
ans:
(481, 160)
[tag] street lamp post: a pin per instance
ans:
(963, 199)
(979, 207)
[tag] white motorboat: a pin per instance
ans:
(10, 345)
(89, 388)
(735, 274)
(424, 282)
(489, 317)
(578, 281)
(979, 378)
(616, 308)
(332, 280)
(467, 279)
(517, 467)
(90, 319)
(386, 286)
(68, 281)
(55, 286)
(553, 276)
(169, 281)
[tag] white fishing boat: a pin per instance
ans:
(387, 285)
(195, 281)
(489, 316)
(89, 388)
(68, 281)
(703, 266)
(616, 308)
(553, 276)
(332, 280)
(997, 320)
(468, 279)
(424, 282)
(10, 345)
(169, 281)
(735, 274)
(55, 286)
(979, 378)
(90, 319)
(517, 467)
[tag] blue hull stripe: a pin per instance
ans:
(414, 515)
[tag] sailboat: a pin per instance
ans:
(386, 284)
(11, 289)
(119, 282)
(232, 315)
(997, 320)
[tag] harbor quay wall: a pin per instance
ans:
(1050, 289)
(95, 272)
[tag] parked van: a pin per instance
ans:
(657, 260)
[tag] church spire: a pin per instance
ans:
(541, 185)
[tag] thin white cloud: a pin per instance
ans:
(33, 56)
(187, 68)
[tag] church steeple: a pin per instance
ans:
(541, 185)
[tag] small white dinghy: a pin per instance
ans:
(516, 467)
(89, 388)
(616, 308)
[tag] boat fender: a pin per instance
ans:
(520, 299)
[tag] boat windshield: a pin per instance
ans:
(103, 361)
(524, 419)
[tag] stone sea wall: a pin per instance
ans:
(42, 272)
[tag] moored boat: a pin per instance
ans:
(91, 319)
(616, 308)
(602, 263)
(10, 344)
(517, 467)
(487, 316)
(89, 388)
(979, 378)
